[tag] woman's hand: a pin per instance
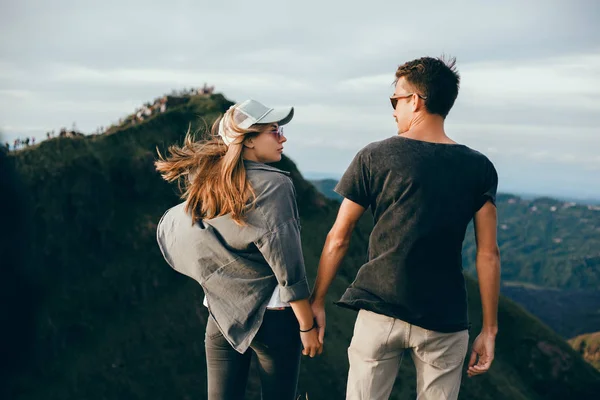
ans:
(307, 323)
(310, 342)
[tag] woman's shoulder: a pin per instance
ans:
(275, 201)
(265, 178)
(273, 187)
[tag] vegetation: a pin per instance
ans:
(568, 312)
(105, 317)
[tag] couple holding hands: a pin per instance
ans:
(238, 234)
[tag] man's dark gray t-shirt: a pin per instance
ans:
(423, 196)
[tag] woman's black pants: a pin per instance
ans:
(278, 350)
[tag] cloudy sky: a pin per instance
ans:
(529, 98)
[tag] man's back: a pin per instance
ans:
(422, 196)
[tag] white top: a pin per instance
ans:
(274, 302)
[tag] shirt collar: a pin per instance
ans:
(253, 165)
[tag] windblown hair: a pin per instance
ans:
(434, 78)
(211, 175)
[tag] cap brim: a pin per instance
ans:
(281, 115)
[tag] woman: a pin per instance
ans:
(238, 235)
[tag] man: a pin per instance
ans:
(423, 190)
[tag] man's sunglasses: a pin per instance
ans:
(394, 99)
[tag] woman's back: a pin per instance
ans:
(239, 266)
(275, 205)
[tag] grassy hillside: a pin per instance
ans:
(546, 242)
(568, 312)
(111, 320)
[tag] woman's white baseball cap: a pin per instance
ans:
(252, 112)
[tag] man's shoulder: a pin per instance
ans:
(477, 155)
(381, 148)
(379, 144)
(374, 147)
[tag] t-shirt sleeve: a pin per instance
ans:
(354, 184)
(489, 187)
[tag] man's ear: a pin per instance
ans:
(417, 103)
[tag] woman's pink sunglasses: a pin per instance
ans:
(277, 132)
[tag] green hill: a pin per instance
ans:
(568, 312)
(546, 242)
(110, 320)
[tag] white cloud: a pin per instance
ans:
(133, 77)
(530, 71)
(570, 81)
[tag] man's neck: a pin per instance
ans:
(428, 129)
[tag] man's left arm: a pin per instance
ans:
(488, 274)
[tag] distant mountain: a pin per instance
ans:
(317, 176)
(326, 186)
(588, 346)
(111, 320)
(578, 200)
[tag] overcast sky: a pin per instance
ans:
(529, 97)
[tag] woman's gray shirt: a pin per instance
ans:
(239, 266)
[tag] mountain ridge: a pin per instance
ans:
(113, 320)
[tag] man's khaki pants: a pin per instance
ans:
(375, 353)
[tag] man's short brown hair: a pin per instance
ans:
(436, 79)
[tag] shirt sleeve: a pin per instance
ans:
(490, 186)
(354, 184)
(282, 247)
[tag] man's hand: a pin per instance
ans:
(318, 309)
(310, 343)
(483, 347)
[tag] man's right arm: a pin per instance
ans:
(488, 274)
(334, 250)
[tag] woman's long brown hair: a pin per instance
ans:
(210, 174)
